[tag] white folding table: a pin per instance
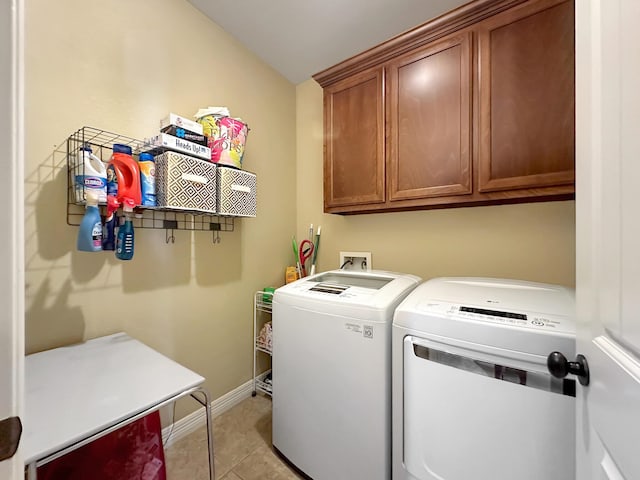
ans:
(79, 393)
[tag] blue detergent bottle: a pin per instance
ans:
(147, 179)
(90, 231)
(124, 239)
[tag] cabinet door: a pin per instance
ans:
(354, 141)
(526, 97)
(429, 98)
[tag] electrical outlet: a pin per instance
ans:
(355, 261)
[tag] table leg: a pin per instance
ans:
(206, 403)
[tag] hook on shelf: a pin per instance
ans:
(169, 225)
(215, 229)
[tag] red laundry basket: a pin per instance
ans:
(131, 452)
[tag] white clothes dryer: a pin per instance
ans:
(332, 372)
(472, 396)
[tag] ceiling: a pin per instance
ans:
(301, 37)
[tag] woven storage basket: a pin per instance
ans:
(185, 183)
(236, 192)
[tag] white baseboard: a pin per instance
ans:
(195, 420)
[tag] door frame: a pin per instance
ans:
(12, 284)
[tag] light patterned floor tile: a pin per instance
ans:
(231, 476)
(264, 464)
(238, 433)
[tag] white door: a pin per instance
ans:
(11, 227)
(608, 236)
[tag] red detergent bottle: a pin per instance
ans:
(127, 174)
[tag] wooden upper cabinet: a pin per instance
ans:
(354, 172)
(429, 120)
(475, 107)
(526, 97)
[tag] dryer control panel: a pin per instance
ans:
(507, 317)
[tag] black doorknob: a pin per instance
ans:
(559, 367)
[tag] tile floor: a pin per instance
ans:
(242, 447)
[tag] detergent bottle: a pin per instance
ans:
(125, 237)
(90, 231)
(123, 176)
(147, 179)
(92, 177)
(110, 222)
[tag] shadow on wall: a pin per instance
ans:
(218, 263)
(69, 321)
(46, 195)
(160, 264)
(49, 321)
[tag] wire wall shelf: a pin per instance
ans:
(169, 219)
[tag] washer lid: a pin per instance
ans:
(368, 294)
(343, 280)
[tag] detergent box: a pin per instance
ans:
(165, 141)
(185, 134)
(182, 122)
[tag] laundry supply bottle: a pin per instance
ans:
(90, 231)
(147, 179)
(92, 176)
(124, 239)
(124, 176)
(110, 223)
(112, 184)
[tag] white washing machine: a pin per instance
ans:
(472, 396)
(332, 372)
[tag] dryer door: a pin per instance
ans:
(469, 415)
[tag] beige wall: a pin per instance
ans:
(529, 241)
(121, 66)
